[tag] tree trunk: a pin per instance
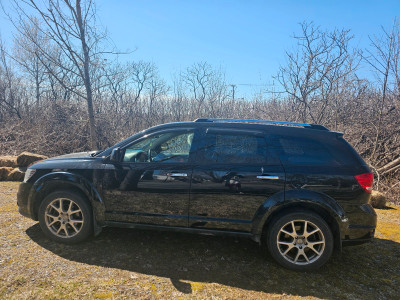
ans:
(87, 81)
(37, 86)
(378, 130)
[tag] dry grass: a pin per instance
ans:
(123, 263)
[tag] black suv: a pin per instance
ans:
(299, 189)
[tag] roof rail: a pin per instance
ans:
(312, 126)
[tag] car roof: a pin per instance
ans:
(278, 127)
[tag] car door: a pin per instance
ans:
(234, 177)
(150, 185)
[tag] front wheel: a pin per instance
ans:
(66, 217)
(300, 241)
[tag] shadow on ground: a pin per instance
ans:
(367, 271)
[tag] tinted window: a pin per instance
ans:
(309, 151)
(234, 148)
(304, 151)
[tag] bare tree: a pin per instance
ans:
(158, 89)
(27, 54)
(71, 26)
(10, 85)
(197, 78)
(384, 57)
(314, 69)
(179, 98)
(140, 75)
(207, 87)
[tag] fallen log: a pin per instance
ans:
(389, 166)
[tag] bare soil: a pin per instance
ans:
(122, 263)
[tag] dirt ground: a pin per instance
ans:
(126, 263)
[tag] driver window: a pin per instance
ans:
(169, 147)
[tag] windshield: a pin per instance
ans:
(122, 143)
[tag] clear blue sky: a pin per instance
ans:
(247, 39)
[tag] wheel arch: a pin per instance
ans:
(57, 181)
(304, 200)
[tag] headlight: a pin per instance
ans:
(28, 174)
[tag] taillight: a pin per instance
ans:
(365, 180)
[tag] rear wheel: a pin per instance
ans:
(66, 217)
(300, 241)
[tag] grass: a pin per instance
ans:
(122, 263)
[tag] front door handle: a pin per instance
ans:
(177, 174)
(268, 177)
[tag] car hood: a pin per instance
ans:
(74, 155)
(81, 160)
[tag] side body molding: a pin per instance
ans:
(58, 180)
(299, 198)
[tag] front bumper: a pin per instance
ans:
(23, 200)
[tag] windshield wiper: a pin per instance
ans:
(95, 153)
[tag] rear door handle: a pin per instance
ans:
(177, 174)
(268, 177)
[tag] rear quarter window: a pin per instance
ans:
(331, 150)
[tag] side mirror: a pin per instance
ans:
(115, 155)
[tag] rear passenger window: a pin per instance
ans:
(305, 151)
(234, 148)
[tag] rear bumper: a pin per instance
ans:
(362, 224)
(356, 242)
(369, 233)
(23, 200)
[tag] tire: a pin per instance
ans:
(66, 217)
(296, 249)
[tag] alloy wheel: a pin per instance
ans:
(300, 242)
(64, 218)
